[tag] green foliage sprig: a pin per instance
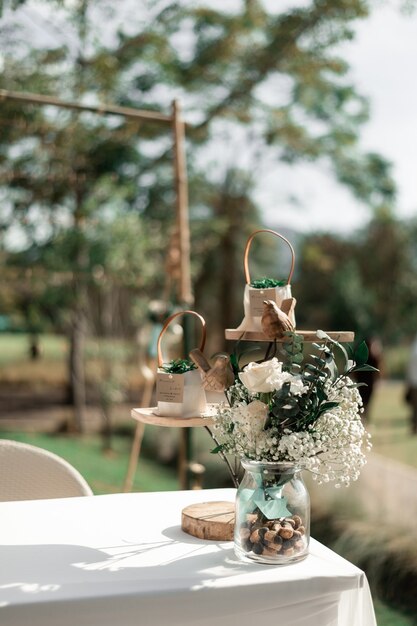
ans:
(267, 283)
(298, 412)
(303, 409)
(178, 366)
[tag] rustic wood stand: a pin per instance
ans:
(215, 520)
(148, 416)
(234, 334)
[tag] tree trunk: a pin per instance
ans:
(76, 366)
(79, 319)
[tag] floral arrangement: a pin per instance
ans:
(301, 409)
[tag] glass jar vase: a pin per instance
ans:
(272, 514)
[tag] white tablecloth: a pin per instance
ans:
(123, 560)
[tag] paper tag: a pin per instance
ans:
(169, 387)
(256, 300)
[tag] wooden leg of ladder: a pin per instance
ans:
(134, 456)
(137, 440)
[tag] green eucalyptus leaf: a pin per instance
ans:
(361, 354)
(365, 368)
(308, 376)
(318, 360)
(343, 351)
(293, 348)
(311, 368)
(290, 411)
(321, 394)
(235, 364)
(298, 358)
(333, 370)
(315, 374)
(285, 390)
(327, 406)
(298, 339)
(322, 335)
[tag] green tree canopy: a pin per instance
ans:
(278, 74)
(365, 282)
(268, 81)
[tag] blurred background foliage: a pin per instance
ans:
(87, 208)
(87, 219)
(88, 200)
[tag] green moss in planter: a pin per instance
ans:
(267, 283)
(178, 366)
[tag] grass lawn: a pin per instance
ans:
(386, 616)
(389, 424)
(14, 348)
(51, 369)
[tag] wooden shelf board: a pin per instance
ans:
(148, 416)
(343, 336)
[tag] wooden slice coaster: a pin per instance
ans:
(209, 520)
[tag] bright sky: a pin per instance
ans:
(383, 58)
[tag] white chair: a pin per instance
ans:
(31, 473)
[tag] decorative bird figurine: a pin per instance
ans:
(278, 320)
(216, 377)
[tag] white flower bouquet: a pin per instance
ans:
(303, 409)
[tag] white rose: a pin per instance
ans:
(260, 377)
(297, 387)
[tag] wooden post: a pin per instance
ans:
(184, 293)
(137, 439)
(104, 109)
(181, 186)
